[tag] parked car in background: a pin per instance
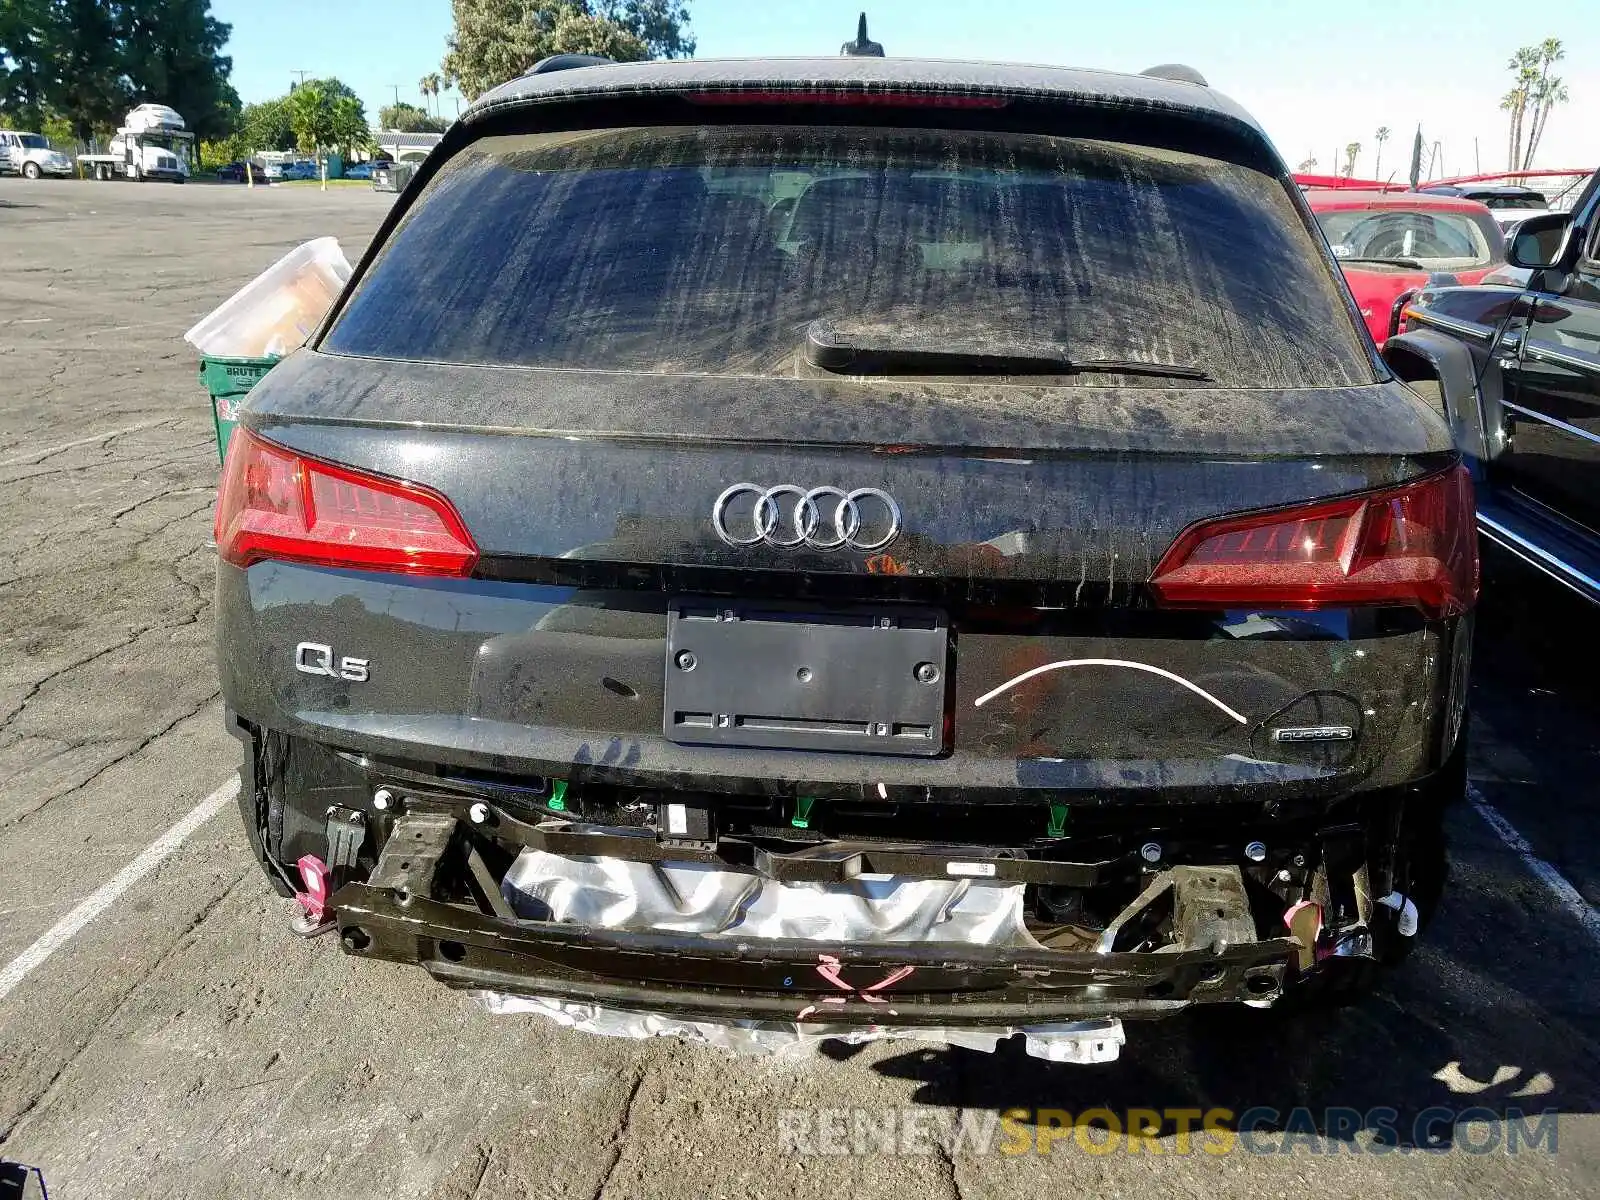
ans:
(300, 169)
(1391, 244)
(1510, 203)
(1517, 369)
(358, 171)
(234, 172)
(1213, 619)
(30, 155)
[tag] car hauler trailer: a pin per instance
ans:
(153, 143)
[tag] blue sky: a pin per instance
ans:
(1316, 75)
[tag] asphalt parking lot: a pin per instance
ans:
(181, 1042)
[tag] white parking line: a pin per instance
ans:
(36, 455)
(106, 895)
(1567, 896)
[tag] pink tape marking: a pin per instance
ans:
(314, 900)
(1321, 951)
(829, 966)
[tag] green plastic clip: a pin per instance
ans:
(1058, 821)
(558, 796)
(802, 812)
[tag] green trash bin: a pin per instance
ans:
(229, 380)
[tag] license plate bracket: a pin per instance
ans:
(862, 678)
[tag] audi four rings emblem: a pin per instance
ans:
(823, 518)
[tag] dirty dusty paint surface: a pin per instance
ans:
(185, 1041)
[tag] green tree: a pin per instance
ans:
(27, 65)
(662, 25)
(325, 114)
(332, 85)
(497, 40)
(264, 126)
(90, 90)
(172, 54)
(88, 61)
(347, 125)
(1351, 153)
(1381, 137)
(311, 116)
(408, 118)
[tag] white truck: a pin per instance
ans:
(153, 143)
(30, 155)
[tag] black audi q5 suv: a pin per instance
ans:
(829, 478)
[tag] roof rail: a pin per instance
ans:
(1176, 72)
(566, 62)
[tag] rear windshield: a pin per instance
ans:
(1437, 241)
(1524, 200)
(713, 249)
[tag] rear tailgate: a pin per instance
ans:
(557, 651)
(585, 338)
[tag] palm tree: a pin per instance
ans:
(1526, 65)
(1350, 153)
(430, 85)
(1307, 164)
(1382, 136)
(1512, 102)
(1546, 92)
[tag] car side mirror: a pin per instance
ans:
(1540, 242)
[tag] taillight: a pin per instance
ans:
(1414, 545)
(277, 504)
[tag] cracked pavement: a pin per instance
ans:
(185, 1043)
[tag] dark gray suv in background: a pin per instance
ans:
(1517, 368)
(812, 474)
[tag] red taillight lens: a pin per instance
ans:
(1415, 545)
(280, 505)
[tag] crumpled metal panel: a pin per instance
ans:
(1093, 1041)
(691, 898)
(696, 899)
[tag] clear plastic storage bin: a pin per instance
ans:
(279, 309)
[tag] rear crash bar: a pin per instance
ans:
(396, 916)
(828, 862)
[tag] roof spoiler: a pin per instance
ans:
(567, 62)
(1176, 72)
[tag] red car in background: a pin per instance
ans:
(1393, 243)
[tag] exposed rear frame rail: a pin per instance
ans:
(397, 916)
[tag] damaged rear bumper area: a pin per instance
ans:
(847, 935)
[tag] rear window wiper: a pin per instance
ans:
(887, 353)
